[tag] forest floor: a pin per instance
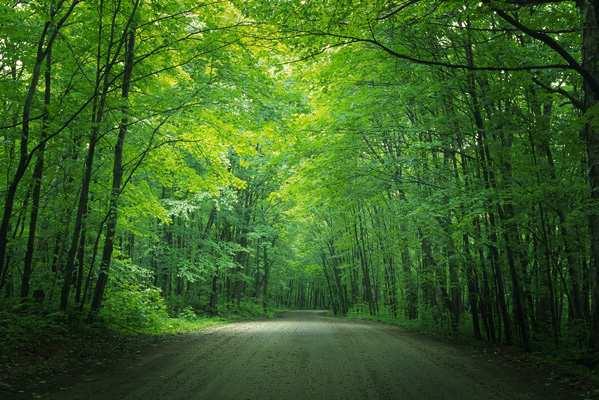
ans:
(309, 355)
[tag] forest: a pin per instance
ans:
(430, 163)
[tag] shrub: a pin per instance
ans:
(188, 314)
(131, 306)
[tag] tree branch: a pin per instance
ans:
(577, 103)
(416, 60)
(549, 41)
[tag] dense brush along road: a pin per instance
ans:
(308, 355)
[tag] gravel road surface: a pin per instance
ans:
(309, 355)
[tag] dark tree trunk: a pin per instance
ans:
(38, 172)
(117, 175)
(45, 42)
(590, 63)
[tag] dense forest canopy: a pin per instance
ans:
(422, 160)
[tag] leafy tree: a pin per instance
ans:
(427, 161)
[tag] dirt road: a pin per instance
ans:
(307, 355)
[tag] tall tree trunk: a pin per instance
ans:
(80, 263)
(410, 290)
(98, 107)
(489, 182)
(45, 42)
(485, 298)
(11, 191)
(511, 236)
(266, 262)
(340, 289)
(590, 62)
(366, 280)
(117, 175)
(38, 172)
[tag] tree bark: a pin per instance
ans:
(590, 63)
(38, 172)
(45, 42)
(117, 175)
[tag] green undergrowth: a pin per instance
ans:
(134, 305)
(427, 326)
(151, 315)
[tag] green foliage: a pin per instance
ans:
(422, 163)
(245, 310)
(188, 314)
(135, 308)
